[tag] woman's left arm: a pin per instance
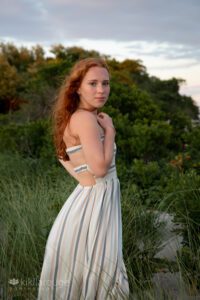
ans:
(70, 168)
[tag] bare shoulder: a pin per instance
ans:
(82, 115)
(82, 119)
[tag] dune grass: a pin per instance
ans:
(31, 194)
(30, 197)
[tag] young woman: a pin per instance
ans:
(83, 257)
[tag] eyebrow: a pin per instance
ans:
(97, 80)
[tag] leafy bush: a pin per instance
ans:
(31, 139)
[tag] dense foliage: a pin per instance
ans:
(158, 132)
(146, 111)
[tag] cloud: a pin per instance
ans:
(163, 34)
(173, 21)
(164, 49)
(26, 20)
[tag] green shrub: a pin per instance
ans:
(31, 139)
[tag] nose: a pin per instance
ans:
(100, 88)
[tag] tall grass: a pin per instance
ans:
(30, 198)
(183, 198)
(31, 194)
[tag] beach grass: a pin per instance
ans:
(32, 193)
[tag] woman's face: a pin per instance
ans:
(94, 89)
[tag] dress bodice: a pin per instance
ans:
(85, 167)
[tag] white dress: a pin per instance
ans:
(83, 256)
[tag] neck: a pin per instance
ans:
(94, 111)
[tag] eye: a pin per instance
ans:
(93, 83)
(106, 83)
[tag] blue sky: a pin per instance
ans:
(165, 35)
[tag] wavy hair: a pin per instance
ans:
(68, 100)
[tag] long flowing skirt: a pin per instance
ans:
(83, 256)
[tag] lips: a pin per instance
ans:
(100, 98)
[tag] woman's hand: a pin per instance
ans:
(105, 121)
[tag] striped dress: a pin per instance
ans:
(83, 256)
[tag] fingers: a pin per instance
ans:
(100, 115)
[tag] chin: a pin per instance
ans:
(100, 104)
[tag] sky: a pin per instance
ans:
(164, 35)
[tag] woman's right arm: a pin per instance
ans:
(98, 155)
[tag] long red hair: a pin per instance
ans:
(67, 101)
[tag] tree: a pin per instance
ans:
(9, 81)
(21, 58)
